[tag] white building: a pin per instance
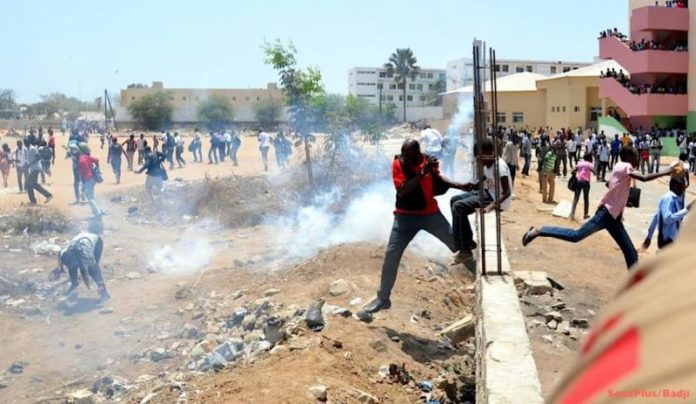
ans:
(364, 82)
(460, 72)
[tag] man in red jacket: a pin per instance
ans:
(86, 167)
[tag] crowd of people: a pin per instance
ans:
(644, 88)
(642, 45)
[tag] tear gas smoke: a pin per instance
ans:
(192, 252)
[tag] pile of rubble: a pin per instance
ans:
(547, 312)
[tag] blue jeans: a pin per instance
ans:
(527, 162)
(602, 220)
(89, 193)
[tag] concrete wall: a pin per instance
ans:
(21, 124)
(192, 97)
(242, 114)
(564, 95)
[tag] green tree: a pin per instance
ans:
(267, 112)
(301, 87)
(152, 111)
(402, 66)
(390, 113)
(215, 112)
(8, 106)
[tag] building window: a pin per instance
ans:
(519, 69)
(411, 86)
(506, 68)
(247, 98)
(382, 74)
(529, 68)
(501, 117)
(566, 69)
(171, 98)
(234, 98)
(384, 97)
(595, 113)
(430, 75)
(401, 98)
(132, 98)
(577, 109)
(197, 98)
(564, 108)
(553, 69)
(423, 75)
(392, 86)
(553, 109)
(258, 98)
(419, 87)
(183, 98)
(430, 86)
(422, 98)
(517, 117)
(390, 98)
(497, 68)
(409, 98)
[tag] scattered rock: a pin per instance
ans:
(356, 302)
(581, 323)
(159, 354)
(558, 306)
(318, 392)
(314, 319)
(190, 331)
(271, 292)
(378, 346)
(364, 316)
(183, 292)
(532, 282)
(106, 310)
(133, 275)
(80, 397)
(547, 338)
(461, 329)
(46, 247)
(17, 368)
(563, 327)
(272, 330)
(339, 287)
(425, 386)
(553, 324)
(553, 315)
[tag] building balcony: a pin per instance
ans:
(653, 18)
(643, 104)
(645, 61)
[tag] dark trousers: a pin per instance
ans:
(561, 159)
(602, 172)
(213, 154)
(513, 172)
(170, 157)
(233, 155)
(116, 167)
(527, 163)
(77, 181)
(602, 220)
(403, 231)
(613, 160)
(33, 185)
(584, 188)
(21, 173)
(462, 206)
(221, 152)
(180, 158)
(572, 159)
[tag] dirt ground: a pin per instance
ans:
(66, 345)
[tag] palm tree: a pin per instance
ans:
(401, 66)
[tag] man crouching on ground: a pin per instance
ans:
(465, 204)
(417, 180)
(82, 254)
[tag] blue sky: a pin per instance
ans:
(81, 47)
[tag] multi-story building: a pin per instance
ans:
(187, 100)
(371, 82)
(460, 72)
(657, 87)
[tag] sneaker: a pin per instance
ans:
(376, 305)
(48, 198)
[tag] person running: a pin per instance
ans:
(34, 169)
(466, 203)
(548, 177)
(131, 147)
(87, 163)
(82, 255)
(264, 144)
(113, 158)
(156, 174)
(583, 173)
(615, 149)
(644, 150)
(52, 145)
(234, 147)
(279, 149)
(46, 154)
(415, 177)
(19, 158)
(609, 216)
(179, 147)
(431, 139)
(449, 152)
(155, 143)
(5, 163)
(195, 147)
(669, 216)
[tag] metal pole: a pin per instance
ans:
(113, 115)
(106, 116)
(478, 137)
(496, 166)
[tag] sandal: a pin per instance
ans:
(528, 238)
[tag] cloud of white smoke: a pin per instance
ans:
(191, 253)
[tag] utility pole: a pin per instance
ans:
(379, 87)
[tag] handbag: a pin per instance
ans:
(97, 174)
(633, 198)
(573, 182)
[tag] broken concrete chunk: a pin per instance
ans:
(532, 282)
(339, 287)
(581, 323)
(553, 315)
(461, 329)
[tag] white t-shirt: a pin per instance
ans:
(503, 171)
(431, 141)
(264, 140)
